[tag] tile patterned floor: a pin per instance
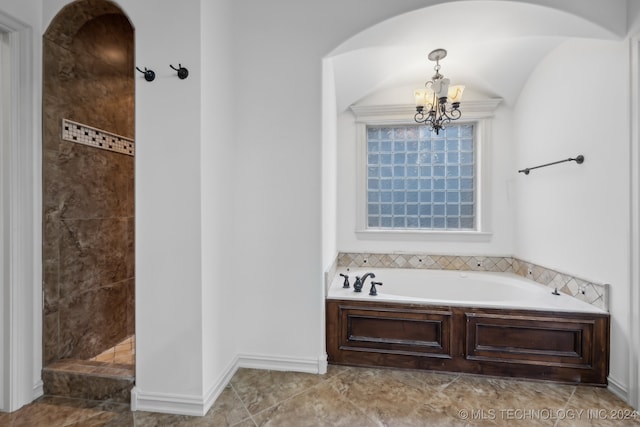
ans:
(358, 397)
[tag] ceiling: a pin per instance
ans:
(493, 46)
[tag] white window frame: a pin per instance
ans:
(478, 113)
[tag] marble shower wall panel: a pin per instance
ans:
(93, 183)
(83, 317)
(88, 200)
(93, 252)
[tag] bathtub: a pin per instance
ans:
(496, 324)
(462, 288)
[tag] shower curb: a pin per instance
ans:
(85, 379)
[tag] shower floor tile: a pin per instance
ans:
(123, 353)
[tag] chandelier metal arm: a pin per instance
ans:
(437, 118)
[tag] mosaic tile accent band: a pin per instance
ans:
(98, 138)
(592, 293)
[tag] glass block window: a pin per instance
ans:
(419, 180)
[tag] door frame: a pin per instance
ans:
(633, 393)
(21, 282)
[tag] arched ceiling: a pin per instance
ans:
(492, 45)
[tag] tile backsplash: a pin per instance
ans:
(593, 293)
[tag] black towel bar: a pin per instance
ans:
(579, 160)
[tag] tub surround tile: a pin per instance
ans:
(426, 261)
(595, 294)
(589, 292)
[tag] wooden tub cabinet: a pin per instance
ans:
(555, 346)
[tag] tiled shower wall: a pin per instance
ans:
(593, 293)
(88, 230)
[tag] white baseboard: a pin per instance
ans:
(281, 363)
(216, 390)
(167, 403)
(199, 405)
(182, 404)
(619, 390)
(38, 389)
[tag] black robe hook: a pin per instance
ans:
(183, 73)
(149, 75)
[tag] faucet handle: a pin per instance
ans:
(373, 290)
(346, 280)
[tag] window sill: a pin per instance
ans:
(425, 235)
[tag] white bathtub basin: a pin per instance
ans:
(457, 288)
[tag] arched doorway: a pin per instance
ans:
(88, 199)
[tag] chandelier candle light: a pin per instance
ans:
(438, 104)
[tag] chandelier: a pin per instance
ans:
(438, 104)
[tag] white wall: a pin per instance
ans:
(329, 165)
(217, 163)
(279, 46)
(168, 205)
(278, 226)
(4, 222)
(573, 218)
